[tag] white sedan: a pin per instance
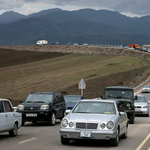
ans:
(96, 120)
(10, 120)
(146, 89)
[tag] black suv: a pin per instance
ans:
(42, 106)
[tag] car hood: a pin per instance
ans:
(86, 117)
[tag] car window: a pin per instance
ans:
(120, 108)
(95, 107)
(58, 98)
(7, 106)
(39, 98)
(1, 107)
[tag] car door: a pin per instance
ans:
(3, 118)
(9, 115)
(57, 105)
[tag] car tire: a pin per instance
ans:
(64, 141)
(23, 123)
(132, 116)
(14, 131)
(147, 115)
(115, 141)
(125, 135)
(52, 119)
(34, 121)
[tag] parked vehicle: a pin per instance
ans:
(10, 120)
(95, 119)
(41, 42)
(124, 95)
(71, 101)
(146, 89)
(42, 106)
(141, 106)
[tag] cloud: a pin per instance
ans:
(137, 7)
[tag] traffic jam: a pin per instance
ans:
(104, 118)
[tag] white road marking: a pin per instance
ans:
(27, 140)
(144, 141)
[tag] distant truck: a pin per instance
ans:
(41, 42)
(134, 46)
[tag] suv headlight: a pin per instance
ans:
(44, 107)
(110, 124)
(20, 107)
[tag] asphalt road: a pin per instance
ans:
(43, 137)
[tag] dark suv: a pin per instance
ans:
(125, 95)
(42, 106)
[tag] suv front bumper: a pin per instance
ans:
(35, 116)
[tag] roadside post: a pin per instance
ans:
(82, 86)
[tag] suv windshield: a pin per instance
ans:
(39, 98)
(119, 94)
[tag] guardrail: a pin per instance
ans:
(141, 84)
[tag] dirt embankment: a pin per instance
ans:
(94, 50)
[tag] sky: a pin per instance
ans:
(131, 8)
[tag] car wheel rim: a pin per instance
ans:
(53, 119)
(15, 129)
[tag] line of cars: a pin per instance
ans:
(105, 118)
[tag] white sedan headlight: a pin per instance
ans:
(20, 107)
(44, 107)
(110, 124)
(146, 107)
(71, 124)
(64, 123)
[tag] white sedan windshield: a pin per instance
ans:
(95, 107)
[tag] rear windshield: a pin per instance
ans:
(119, 94)
(72, 99)
(39, 98)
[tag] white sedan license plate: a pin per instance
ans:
(31, 115)
(137, 109)
(85, 134)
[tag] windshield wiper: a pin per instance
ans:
(39, 102)
(28, 102)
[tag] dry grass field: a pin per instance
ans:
(22, 72)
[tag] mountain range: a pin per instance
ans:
(80, 26)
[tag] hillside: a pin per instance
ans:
(63, 70)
